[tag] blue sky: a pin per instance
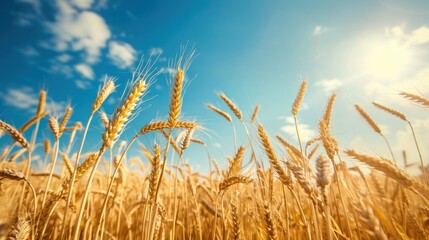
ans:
(255, 52)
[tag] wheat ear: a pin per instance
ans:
(254, 114)
(391, 111)
(390, 170)
(16, 135)
(416, 98)
(298, 100)
(53, 124)
(176, 99)
(269, 151)
(328, 111)
(123, 113)
(231, 105)
(220, 112)
(108, 88)
(368, 119)
(65, 120)
(42, 103)
(270, 224)
(228, 182)
(154, 175)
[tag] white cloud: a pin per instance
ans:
(23, 98)
(330, 85)
(83, 4)
(64, 58)
(419, 36)
(156, 51)
(318, 30)
(388, 93)
(305, 131)
(83, 84)
(122, 54)
(57, 67)
(26, 98)
(29, 51)
(85, 70)
(79, 31)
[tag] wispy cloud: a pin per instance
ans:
(76, 31)
(26, 98)
(83, 84)
(329, 85)
(64, 58)
(305, 131)
(85, 70)
(319, 30)
(22, 98)
(419, 36)
(123, 55)
(83, 4)
(29, 51)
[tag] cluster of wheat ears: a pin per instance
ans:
(265, 192)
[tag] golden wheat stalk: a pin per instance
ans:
(55, 128)
(235, 165)
(328, 111)
(391, 111)
(235, 222)
(254, 114)
(176, 99)
(329, 143)
(368, 119)
(11, 174)
(390, 170)
(269, 150)
(65, 120)
(270, 224)
(16, 135)
(303, 181)
(298, 100)
(416, 98)
(21, 229)
(122, 114)
(228, 182)
(42, 103)
(108, 88)
(104, 119)
(187, 139)
(231, 105)
(220, 112)
(323, 173)
(154, 174)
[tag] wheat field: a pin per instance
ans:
(270, 189)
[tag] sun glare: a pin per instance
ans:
(388, 60)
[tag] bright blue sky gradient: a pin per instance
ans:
(255, 52)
